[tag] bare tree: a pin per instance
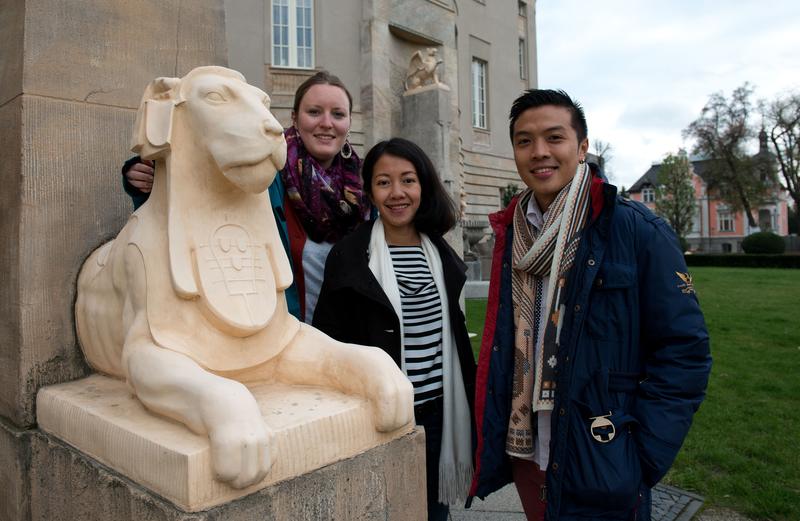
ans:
(603, 150)
(721, 134)
(783, 118)
(675, 199)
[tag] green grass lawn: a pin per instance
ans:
(743, 451)
(476, 314)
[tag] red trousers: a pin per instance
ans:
(530, 482)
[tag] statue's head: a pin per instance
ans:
(220, 115)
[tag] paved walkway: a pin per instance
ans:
(669, 504)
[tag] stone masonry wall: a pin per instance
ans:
(71, 77)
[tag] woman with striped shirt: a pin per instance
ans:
(395, 283)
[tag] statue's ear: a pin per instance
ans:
(158, 121)
(153, 125)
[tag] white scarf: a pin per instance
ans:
(455, 457)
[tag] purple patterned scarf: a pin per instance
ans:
(329, 202)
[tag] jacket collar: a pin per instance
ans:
(354, 251)
(602, 196)
(502, 219)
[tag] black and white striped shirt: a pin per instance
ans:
(422, 321)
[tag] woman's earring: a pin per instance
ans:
(582, 160)
(347, 149)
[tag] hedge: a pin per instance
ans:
(738, 260)
(764, 242)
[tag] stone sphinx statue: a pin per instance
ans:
(187, 302)
(422, 70)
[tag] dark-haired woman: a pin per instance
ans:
(318, 197)
(395, 283)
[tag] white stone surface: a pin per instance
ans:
(476, 289)
(313, 427)
(187, 303)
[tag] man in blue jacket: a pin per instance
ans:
(595, 354)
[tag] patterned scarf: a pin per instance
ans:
(330, 202)
(550, 251)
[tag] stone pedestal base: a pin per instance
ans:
(313, 428)
(384, 483)
(473, 269)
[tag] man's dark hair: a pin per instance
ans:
(436, 214)
(320, 78)
(534, 98)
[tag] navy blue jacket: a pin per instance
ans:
(634, 346)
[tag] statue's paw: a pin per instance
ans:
(240, 452)
(394, 402)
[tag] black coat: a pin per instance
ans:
(353, 308)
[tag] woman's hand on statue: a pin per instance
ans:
(140, 176)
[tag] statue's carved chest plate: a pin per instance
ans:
(237, 281)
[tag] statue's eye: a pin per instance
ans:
(215, 97)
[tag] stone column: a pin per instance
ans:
(72, 74)
(72, 77)
(427, 120)
(375, 71)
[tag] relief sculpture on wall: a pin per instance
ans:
(187, 303)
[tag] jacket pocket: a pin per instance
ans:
(612, 303)
(604, 473)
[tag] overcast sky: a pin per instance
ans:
(643, 70)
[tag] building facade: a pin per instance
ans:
(488, 53)
(716, 227)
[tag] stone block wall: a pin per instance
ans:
(68, 105)
(72, 77)
(382, 484)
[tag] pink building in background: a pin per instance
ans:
(716, 227)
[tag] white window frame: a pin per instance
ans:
(294, 58)
(725, 220)
(648, 194)
(697, 220)
(479, 97)
(523, 58)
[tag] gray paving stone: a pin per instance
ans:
(504, 500)
(669, 504)
(479, 515)
(674, 504)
